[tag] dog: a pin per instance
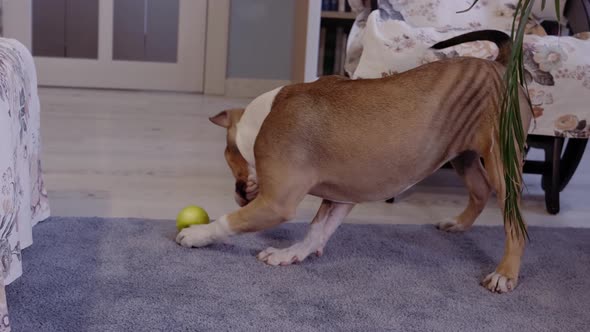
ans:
(352, 141)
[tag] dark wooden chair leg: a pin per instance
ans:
(574, 151)
(556, 169)
(551, 181)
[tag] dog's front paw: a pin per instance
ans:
(197, 236)
(499, 283)
(294, 254)
(451, 225)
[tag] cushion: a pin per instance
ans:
(559, 68)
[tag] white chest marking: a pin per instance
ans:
(250, 123)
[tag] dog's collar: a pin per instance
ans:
(249, 125)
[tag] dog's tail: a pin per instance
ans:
(501, 39)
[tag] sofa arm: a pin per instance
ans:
(23, 198)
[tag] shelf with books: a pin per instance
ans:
(335, 5)
(321, 36)
(336, 20)
(338, 15)
(332, 46)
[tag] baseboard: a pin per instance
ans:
(250, 87)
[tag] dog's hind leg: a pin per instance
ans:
(505, 277)
(468, 166)
(328, 218)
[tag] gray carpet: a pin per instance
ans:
(129, 275)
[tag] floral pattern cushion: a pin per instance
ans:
(441, 14)
(558, 67)
(23, 198)
(444, 13)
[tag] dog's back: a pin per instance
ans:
(415, 120)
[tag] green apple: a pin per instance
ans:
(191, 215)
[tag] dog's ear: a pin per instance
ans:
(222, 119)
(227, 118)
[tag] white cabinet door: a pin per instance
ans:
(121, 44)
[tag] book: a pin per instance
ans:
(329, 51)
(330, 5)
(334, 5)
(342, 5)
(322, 51)
(338, 58)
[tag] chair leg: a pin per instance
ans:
(551, 176)
(391, 200)
(574, 151)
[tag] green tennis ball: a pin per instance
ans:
(191, 215)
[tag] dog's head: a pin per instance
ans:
(246, 188)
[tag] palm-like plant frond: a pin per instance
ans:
(512, 137)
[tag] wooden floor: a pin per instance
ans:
(148, 154)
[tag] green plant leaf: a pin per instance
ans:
(511, 130)
(512, 136)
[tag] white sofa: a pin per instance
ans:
(23, 198)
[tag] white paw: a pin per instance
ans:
(294, 254)
(195, 236)
(450, 225)
(203, 235)
(498, 283)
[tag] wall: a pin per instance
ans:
(260, 39)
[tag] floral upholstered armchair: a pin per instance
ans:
(391, 36)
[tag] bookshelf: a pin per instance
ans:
(314, 22)
(336, 20)
(328, 14)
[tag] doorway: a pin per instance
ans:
(120, 44)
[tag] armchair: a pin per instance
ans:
(391, 36)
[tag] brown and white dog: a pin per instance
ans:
(352, 141)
